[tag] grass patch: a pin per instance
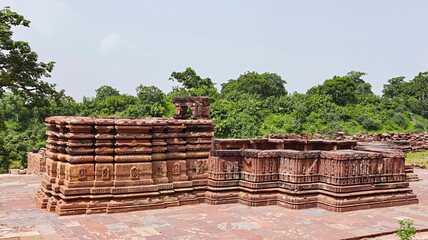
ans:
(420, 157)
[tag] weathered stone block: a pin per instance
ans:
(133, 173)
(104, 174)
(159, 171)
(176, 170)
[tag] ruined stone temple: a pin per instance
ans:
(106, 165)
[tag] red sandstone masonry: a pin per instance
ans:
(119, 164)
(406, 142)
(337, 180)
(96, 165)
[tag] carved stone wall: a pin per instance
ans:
(298, 173)
(118, 164)
(105, 165)
(406, 142)
(199, 106)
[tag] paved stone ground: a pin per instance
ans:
(21, 219)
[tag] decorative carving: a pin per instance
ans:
(82, 174)
(176, 169)
(134, 174)
(199, 168)
(354, 169)
(380, 169)
(105, 174)
(225, 166)
(159, 171)
(325, 175)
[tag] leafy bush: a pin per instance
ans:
(419, 127)
(400, 119)
(406, 231)
(369, 123)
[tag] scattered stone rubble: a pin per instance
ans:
(36, 161)
(20, 171)
(105, 165)
(407, 142)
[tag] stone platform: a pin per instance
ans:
(20, 218)
(296, 173)
(106, 165)
(110, 165)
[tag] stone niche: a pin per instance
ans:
(300, 173)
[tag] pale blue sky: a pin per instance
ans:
(127, 43)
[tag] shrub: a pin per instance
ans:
(406, 231)
(400, 119)
(369, 123)
(419, 127)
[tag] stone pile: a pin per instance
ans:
(121, 164)
(20, 171)
(407, 142)
(297, 173)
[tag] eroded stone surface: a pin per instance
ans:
(106, 165)
(300, 173)
(96, 165)
(406, 142)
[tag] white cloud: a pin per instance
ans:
(111, 42)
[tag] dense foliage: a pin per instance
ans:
(251, 105)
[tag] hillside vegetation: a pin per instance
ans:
(253, 104)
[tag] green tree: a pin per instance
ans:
(193, 85)
(24, 129)
(20, 71)
(262, 85)
(115, 105)
(364, 89)
(151, 101)
(341, 90)
(107, 102)
(419, 86)
(4, 154)
(356, 77)
(395, 87)
(369, 123)
(105, 91)
(190, 79)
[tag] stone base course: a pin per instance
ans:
(341, 177)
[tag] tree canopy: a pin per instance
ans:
(20, 70)
(251, 105)
(190, 79)
(341, 89)
(262, 85)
